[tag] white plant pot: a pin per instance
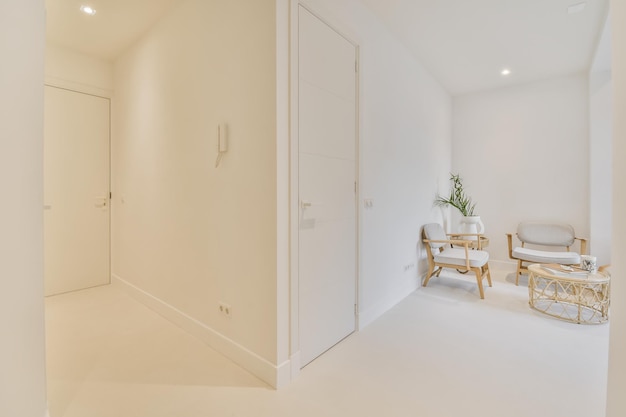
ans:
(472, 224)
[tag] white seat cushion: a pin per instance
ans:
(542, 256)
(454, 256)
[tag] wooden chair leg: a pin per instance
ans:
(519, 271)
(431, 268)
(488, 275)
(479, 279)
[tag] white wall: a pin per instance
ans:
(78, 72)
(616, 405)
(523, 154)
(600, 172)
(283, 232)
(187, 235)
(600, 150)
(405, 119)
(22, 354)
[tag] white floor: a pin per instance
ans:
(442, 352)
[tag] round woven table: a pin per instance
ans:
(574, 297)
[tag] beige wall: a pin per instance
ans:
(184, 232)
(616, 406)
(22, 367)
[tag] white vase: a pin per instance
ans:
(472, 224)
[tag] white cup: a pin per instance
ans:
(589, 263)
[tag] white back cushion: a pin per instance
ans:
(434, 231)
(548, 234)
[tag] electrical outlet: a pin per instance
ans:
(408, 267)
(225, 309)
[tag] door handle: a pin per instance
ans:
(101, 202)
(304, 204)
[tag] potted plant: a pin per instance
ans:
(470, 223)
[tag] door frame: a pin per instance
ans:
(294, 202)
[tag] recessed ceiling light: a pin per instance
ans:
(505, 72)
(88, 10)
(576, 8)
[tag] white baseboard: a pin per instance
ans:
(275, 375)
(296, 365)
(283, 375)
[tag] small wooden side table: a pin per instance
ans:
(481, 243)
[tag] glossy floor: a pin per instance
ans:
(441, 352)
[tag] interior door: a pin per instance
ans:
(327, 186)
(76, 191)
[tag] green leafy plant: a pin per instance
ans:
(457, 197)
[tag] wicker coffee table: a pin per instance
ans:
(575, 297)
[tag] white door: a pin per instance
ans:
(327, 191)
(76, 191)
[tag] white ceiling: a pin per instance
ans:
(114, 27)
(464, 43)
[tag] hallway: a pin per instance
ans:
(441, 352)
